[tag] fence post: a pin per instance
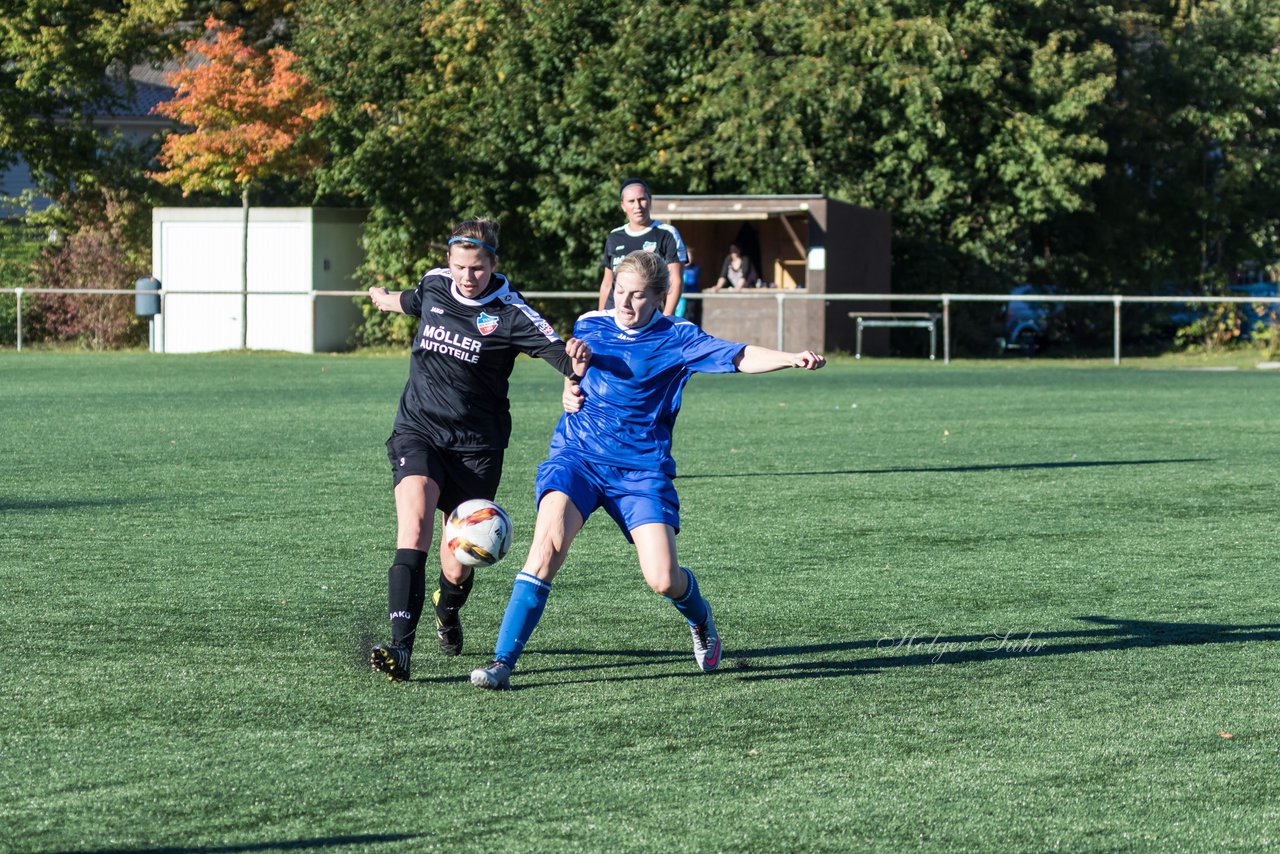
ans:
(1117, 299)
(18, 293)
(946, 329)
(781, 298)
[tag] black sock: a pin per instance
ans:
(406, 592)
(452, 596)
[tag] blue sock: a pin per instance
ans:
(524, 609)
(691, 605)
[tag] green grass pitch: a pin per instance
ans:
(985, 606)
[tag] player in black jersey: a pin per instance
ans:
(641, 231)
(454, 422)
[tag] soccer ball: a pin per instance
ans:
(478, 532)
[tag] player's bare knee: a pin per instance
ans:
(454, 572)
(670, 587)
(669, 580)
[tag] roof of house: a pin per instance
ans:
(137, 93)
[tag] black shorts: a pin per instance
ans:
(461, 475)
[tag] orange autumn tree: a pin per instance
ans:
(250, 115)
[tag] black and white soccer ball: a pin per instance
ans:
(478, 532)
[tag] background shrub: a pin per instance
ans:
(109, 249)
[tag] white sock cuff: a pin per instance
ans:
(529, 578)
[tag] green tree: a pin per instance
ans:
(63, 63)
(970, 124)
(1193, 151)
(1097, 147)
(264, 22)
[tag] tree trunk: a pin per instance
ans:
(244, 271)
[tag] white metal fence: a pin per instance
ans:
(780, 297)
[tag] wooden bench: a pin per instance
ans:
(897, 320)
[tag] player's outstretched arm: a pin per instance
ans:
(386, 301)
(762, 360)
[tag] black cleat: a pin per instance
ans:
(391, 659)
(448, 628)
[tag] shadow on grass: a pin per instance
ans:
(1073, 464)
(286, 845)
(912, 649)
(28, 505)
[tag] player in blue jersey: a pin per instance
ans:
(614, 452)
(453, 422)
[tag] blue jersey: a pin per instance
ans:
(633, 389)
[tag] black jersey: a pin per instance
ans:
(660, 238)
(456, 396)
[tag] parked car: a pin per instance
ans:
(1026, 322)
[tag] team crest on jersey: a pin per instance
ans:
(650, 245)
(486, 323)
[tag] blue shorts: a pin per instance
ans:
(632, 498)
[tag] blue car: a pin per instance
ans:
(1026, 321)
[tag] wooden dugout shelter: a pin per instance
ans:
(801, 244)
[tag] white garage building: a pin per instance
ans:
(293, 254)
